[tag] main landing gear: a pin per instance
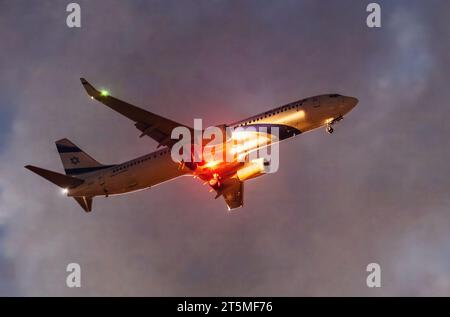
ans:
(330, 129)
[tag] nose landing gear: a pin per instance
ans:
(330, 129)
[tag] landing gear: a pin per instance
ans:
(330, 124)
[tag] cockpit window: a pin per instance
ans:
(334, 95)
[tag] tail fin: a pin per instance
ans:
(60, 180)
(74, 160)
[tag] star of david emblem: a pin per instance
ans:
(75, 160)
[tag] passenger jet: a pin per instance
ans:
(85, 178)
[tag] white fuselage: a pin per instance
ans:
(158, 167)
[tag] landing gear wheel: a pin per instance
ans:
(330, 129)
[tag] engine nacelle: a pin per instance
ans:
(253, 169)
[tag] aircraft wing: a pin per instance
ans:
(150, 124)
(233, 193)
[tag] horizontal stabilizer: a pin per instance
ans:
(60, 180)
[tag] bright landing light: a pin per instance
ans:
(64, 191)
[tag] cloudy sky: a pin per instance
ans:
(375, 191)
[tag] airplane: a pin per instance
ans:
(86, 178)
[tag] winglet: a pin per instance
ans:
(91, 91)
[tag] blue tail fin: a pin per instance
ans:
(74, 160)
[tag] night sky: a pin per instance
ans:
(375, 191)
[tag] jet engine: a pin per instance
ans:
(253, 169)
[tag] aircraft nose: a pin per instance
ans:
(352, 102)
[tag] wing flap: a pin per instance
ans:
(232, 191)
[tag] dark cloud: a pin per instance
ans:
(376, 191)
